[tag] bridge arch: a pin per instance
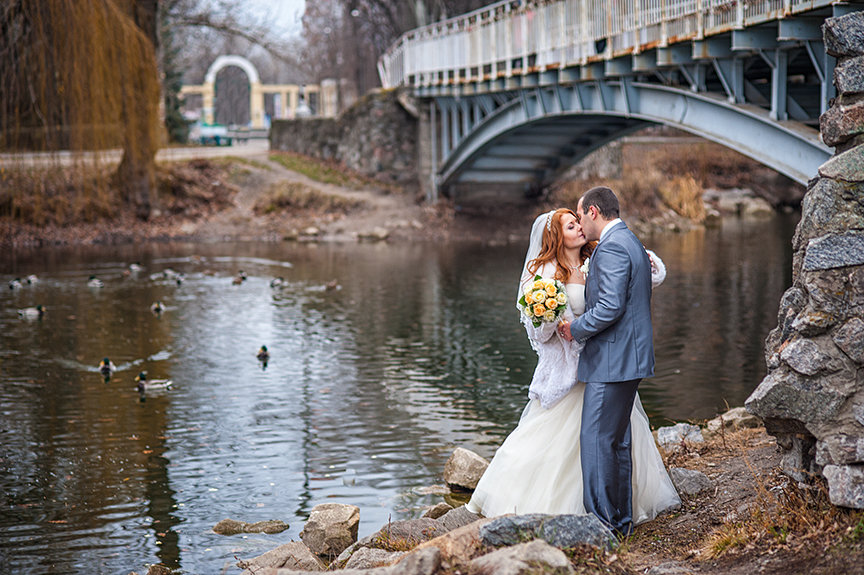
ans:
(533, 136)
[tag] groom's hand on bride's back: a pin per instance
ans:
(564, 330)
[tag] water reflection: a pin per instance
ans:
(383, 358)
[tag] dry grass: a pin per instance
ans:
(84, 194)
(684, 195)
(786, 515)
(295, 196)
(328, 172)
(638, 192)
(673, 176)
(57, 195)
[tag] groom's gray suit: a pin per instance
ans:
(619, 352)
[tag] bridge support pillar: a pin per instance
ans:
(779, 86)
(427, 151)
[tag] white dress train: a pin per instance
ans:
(537, 469)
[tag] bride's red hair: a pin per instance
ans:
(552, 248)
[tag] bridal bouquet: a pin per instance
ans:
(543, 300)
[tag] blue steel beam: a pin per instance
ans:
(791, 149)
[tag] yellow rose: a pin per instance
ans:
(551, 290)
(527, 312)
(539, 309)
(529, 298)
(561, 298)
(549, 315)
(538, 284)
(539, 296)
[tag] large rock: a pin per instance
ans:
(847, 167)
(849, 76)
(812, 399)
(424, 562)
(294, 555)
(842, 122)
(850, 339)
(671, 438)
(523, 559)
(840, 449)
(464, 469)
(331, 528)
(406, 534)
(233, 527)
(438, 510)
(558, 530)
(845, 485)
(369, 557)
(734, 419)
(835, 251)
(689, 481)
(784, 394)
(458, 517)
(459, 544)
(418, 562)
(844, 36)
(811, 356)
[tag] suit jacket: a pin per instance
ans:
(616, 326)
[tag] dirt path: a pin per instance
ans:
(379, 213)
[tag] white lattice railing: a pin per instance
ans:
(519, 37)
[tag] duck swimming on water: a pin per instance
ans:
(106, 368)
(144, 384)
(263, 354)
(32, 312)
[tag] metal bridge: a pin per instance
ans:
(519, 91)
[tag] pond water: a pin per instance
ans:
(369, 388)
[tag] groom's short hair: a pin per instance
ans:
(604, 199)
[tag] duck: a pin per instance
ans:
(32, 312)
(15, 284)
(331, 285)
(157, 307)
(144, 384)
(94, 282)
(136, 267)
(263, 354)
(277, 282)
(106, 368)
(32, 279)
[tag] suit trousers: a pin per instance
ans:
(605, 452)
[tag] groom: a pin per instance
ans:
(619, 352)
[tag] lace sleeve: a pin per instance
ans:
(658, 269)
(542, 333)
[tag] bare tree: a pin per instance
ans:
(345, 38)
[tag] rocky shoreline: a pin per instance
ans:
(726, 472)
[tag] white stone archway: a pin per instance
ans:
(289, 94)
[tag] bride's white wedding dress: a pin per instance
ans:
(537, 468)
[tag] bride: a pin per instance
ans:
(537, 468)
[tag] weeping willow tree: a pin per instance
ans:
(81, 75)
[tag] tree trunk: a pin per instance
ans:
(136, 175)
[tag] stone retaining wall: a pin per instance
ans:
(813, 396)
(377, 137)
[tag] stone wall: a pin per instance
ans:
(377, 137)
(813, 396)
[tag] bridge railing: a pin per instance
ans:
(515, 37)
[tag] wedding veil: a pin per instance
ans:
(533, 248)
(533, 251)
